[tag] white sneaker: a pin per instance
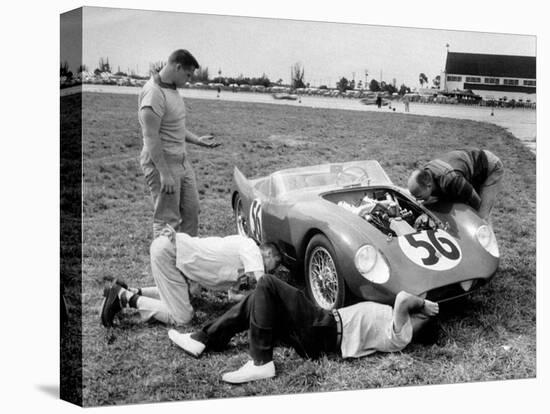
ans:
(185, 342)
(250, 372)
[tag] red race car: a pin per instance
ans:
(354, 235)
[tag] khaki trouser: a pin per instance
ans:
(492, 185)
(179, 209)
(168, 301)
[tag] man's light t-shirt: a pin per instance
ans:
(168, 105)
(367, 327)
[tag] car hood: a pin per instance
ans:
(461, 224)
(349, 232)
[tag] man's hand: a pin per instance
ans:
(207, 141)
(246, 281)
(423, 222)
(430, 200)
(167, 184)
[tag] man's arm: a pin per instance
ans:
(151, 137)
(457, 187)
(248, 280)
(204, 141)
(256, 275)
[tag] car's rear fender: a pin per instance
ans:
(233, 198)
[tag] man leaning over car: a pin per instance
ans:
(472, 176)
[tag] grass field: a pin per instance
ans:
(489, 336)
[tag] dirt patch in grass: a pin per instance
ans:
(290, 141)
(489, 336)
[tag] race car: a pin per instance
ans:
(353, 235)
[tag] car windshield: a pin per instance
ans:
(348, 174)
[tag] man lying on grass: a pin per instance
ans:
(181, 265)
(276, 311)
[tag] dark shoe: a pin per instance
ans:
(124, 285)
(121, 283)
(111, 305)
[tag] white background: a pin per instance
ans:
(29, 146)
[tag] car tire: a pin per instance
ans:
(324, 282)
(239, 217)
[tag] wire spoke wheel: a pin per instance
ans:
(240, 218)
(324, 282)
(323, 278)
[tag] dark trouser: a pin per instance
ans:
(274, 311)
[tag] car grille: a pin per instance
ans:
(453, 291)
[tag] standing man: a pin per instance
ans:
(276, 311)
(406, 101)
(471, 176)
(179, 261)
(164, 160)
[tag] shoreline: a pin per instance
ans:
(520, 122)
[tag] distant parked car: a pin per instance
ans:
(287, 96)
(258, 88)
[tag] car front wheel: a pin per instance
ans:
(324, 282)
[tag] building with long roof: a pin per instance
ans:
(492, 76)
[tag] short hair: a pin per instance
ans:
(419, 182)
(423, 178)
(274, 250)
(184, 58)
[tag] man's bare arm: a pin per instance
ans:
(151, 127)
(204, 141)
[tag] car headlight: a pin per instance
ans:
(487, 239)
(365, 258)
(372, 266)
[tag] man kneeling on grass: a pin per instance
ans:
(276, 311)
(181, 265)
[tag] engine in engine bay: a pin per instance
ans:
(391, 214)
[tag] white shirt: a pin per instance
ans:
(217, 262)
(367, 327)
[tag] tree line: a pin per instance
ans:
(297, 78)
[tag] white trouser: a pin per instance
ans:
(169, 301)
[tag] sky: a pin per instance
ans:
(132, 39)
